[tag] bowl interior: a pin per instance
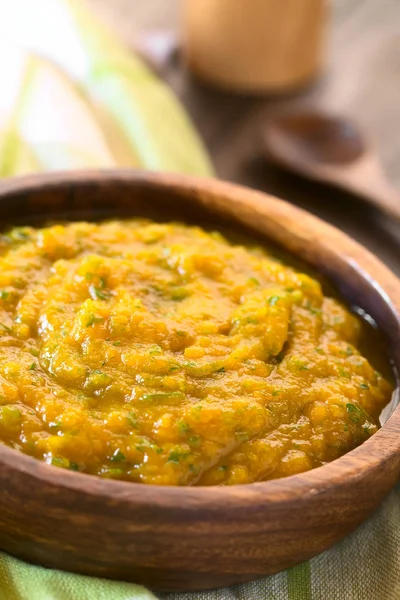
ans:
(94, 196)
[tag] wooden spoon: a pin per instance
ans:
(332, 150)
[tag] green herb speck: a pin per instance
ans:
(162, 397)
(59, 462)
(93, 319)
(154, 351)
(254, 280)
(176, 456)
(183, 427)
(101, 294)
(354, 413)
(273, 300)
(179, 294)
(118, 456)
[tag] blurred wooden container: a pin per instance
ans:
(260, 46)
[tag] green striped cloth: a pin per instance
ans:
(365, 566)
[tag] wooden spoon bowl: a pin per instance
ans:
(174, 538)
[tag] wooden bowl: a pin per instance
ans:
(172, 538)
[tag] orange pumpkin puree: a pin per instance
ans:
(163, 354)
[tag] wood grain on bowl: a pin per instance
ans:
(195, 538)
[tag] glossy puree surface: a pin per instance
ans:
(163, 354)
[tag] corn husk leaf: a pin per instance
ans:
(142, 122)
(16, 156)
(47, 122)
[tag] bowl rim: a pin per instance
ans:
(371, 455)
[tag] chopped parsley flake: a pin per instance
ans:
(183, 427)
(273, 300)
(93, 319)
(354, 412)
(254, 280)
(101, 294)
(118, 456)
(175, 456)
